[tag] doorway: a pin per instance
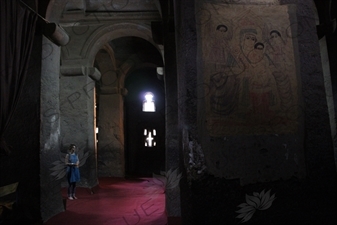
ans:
(144, 124)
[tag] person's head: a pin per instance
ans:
(259, 46)
(248, 38)
(257, 54)
(275, 36)
(222, 28)
(72, 148)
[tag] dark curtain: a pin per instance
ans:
(17, 26)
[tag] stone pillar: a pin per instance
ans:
(77, 110)
(110, 155)
(111, 134)
(51, 198)
(173, 157)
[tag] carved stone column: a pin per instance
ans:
(77, 110)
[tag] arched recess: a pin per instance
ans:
(79, 67)
(79, 63)
(145, 130)
(143, 160)
(110, 156)
(116, 60)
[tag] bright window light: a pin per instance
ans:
(148, 103)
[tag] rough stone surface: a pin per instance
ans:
(236, 166)
(49, 130)
(240, 165)
(77, 123)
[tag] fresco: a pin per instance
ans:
(247, 53)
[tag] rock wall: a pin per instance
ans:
(227, 166)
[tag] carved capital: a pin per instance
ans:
(92, 72)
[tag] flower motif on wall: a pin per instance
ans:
(259, 201)
(168, 180)
(59, 166)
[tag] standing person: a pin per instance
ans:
(73, 172)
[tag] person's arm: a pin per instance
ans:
(67, 161)
(78, 162)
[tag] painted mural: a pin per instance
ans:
(249, 68)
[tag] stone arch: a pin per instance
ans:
(104, 55)
(108, 33)
(104, 35)
(113, 127)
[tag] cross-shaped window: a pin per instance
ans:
(149, 137)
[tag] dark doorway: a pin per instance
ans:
(144, 130)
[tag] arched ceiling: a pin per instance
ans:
(126, 46)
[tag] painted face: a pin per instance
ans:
(259, 47)
(249, 41)
(257, 54)
(275, 38)
(222, 29)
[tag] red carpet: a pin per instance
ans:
(116, 201)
